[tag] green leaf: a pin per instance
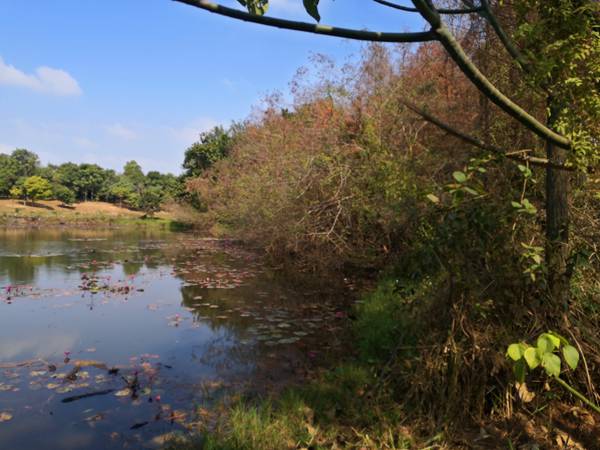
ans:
(311, 7)
(531, 357)
(545, 344)
(515, 351)
(470, 190)
(459, 176)
(571, 356)
(516, 205)
(553, 338)
(551, 363)
(256, 7)
(520, 370)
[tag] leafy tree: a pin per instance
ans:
(37, 188)
(213, 146)
(67, 174)
(8, 174)
(89, 181)
(134, 174)
(63, 194)
(121, 190)
(150, 200)
(17, 192)
(27, 163)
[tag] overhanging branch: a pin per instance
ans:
(487, 13)
(469, 10)
(535, 161)
(484, 85)
(361, 35)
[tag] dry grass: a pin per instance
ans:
(86, 211)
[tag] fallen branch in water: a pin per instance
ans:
(88, 395)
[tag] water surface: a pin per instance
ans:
(112, 339)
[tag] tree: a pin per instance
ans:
(150, 200)
(8, 174)
(121, 190)
(89, 181)
(36, 188)
(27, 163)
(63, 194)
(134, 174)
(212, 146)
(17, 193)
(565, 140)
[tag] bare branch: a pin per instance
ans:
(470, 10)
(484, 85)
(542, 162)
(487, 13)
(361, 35)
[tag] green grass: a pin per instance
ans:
(348, 407)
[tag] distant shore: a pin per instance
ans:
(51, 213)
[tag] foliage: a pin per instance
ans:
(37, 188)
(150, 200)
(562, 40)
(213, 146)
(63, 194)
(72, 182)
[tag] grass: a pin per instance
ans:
(51, 212)
(351, 406)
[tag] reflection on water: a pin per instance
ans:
(109, 339)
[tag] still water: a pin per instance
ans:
(117, 339)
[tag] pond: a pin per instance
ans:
(114, 339)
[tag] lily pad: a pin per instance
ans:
(123, 393)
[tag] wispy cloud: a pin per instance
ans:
(121, 131)
(44, 79)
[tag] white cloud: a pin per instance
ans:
(122, 132)
(45, 79)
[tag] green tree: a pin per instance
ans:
(150, 200)
(134, 174)
(63, 194)
(89, 181)
(27, 163)
(8, 174)
(213, 146)
(121, 190)
(17, 193)
(37, 188)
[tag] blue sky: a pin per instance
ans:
(114, 80)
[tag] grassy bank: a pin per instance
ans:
(45, 213)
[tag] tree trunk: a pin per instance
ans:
(557, 225)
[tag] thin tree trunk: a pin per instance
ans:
(557, 225)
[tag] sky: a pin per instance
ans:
(109, 81)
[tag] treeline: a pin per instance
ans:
(23, 177)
